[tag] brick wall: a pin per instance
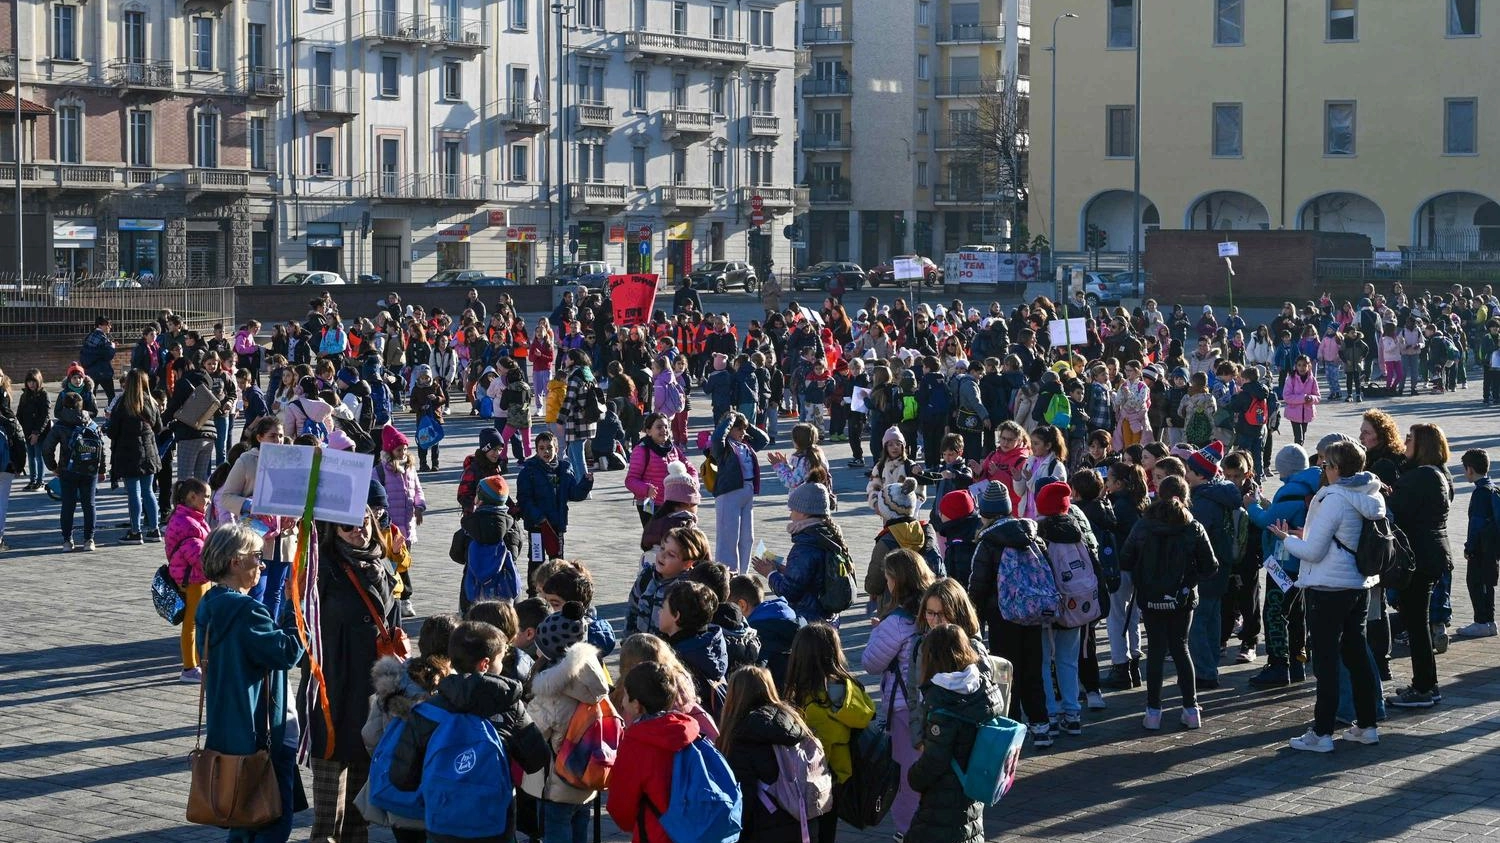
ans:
(104, 131)
(1273, 266)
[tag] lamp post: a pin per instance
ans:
(560, 234)
(1052, 175)
(1135, 222)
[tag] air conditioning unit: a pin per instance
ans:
(406, 32)
(471, 38)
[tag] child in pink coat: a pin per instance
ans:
(187, 530)
(397, 472)
(1300, 397)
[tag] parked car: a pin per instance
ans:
(465, 278)
(316, 279)
(370, 278)
(719, 276)
(489, 281)
(1113, 288)
(119, 284)
(587, 273)
(821, 276)
(885, 273)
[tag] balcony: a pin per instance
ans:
(944, 193)
(326, 102)
(594, 115)
(76, 177)
(839, 33)
(784, 198)
(526, 116)
(424, 187)
(135, 178)
(837, 139)
(264, 83)
(686, 123)
(32, 175)
(972, 33)
(390, 28)
(458, 34)
(837, 86)
(673, 47)
(686, 197)
(802, 64)
(597, 195)
(143, 76)
(215, 180)
(967, 86)
(765, 126)
(831, 193)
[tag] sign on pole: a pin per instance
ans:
(1229, 249)
(644, 234)
(907, 269)
(281, 479)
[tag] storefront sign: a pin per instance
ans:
(617, 234)
(73, 235)
(454, 234)
(521, 234)
(680, 231)
(497, 219)
(142, 225)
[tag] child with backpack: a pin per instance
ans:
(684, 619)
(776, 759)
(953, 475)
(897, 507)
(1353, 351)
(959, 698)
(1197, 410)
(1089, 497)
(74, 450)
(571, 680)
(428, 400)
(910, 410)
(772, 619)
(482, 464)
(1167, 554)
(1072, 551)
(816, 577)
(187, 531)
(832, 701)
(681, 549)
(892, 465)
(1047, 463)
(1133, 404)
(403, 491)
(959, 527)
(489, 542)
(562, 581)
(741, 641)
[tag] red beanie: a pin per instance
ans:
(956, 505)
(1053, 499)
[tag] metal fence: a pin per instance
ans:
(43, 308)
(1449, 271)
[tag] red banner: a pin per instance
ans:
(633, 296)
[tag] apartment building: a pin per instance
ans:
(1335, 115)
(897, 94)
(145, 136)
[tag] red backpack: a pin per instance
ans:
(1255, 416)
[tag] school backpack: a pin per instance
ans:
(466, 782)
(364, 443)
(429, 431)
(334, 341)
(85, 450)
(310, 425)
(380, 404)
(1059, 412)
(590, 403)
(12, 445)
(992, 762)
(804, 785)
(866, 796)
(1200, 428)
(706, 803)
(586, 756)
(1382, 550)
(1025, 589)
(1077, 583)
(1159, 575)
(486, 406)
(839, 585)
(939, 402)
(382, 794)
(958, 559)
(909, 408)
(490, 573)
(1256, 415)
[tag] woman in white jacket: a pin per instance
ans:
(1337, 593)
(1260, 350)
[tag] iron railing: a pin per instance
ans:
(52, 310)
(1486, 269)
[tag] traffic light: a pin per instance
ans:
(898, 227)
(1095, 239)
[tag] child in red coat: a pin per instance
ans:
(643, 768)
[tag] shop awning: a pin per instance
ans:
(28, 108)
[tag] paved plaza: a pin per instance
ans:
(95, 729)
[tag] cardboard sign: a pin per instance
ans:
(281, 476)
(632, 297)
(1229, 250)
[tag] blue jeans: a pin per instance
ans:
(576, 455)
(142, 500)
(35, 466)
(1203, 638)
(1335, 374)
(284, 762)
(1060, 649)
(1255, 443)
(221, 439)
(564, 823)
(1411, 368)
(78, 490)
(1440, 605)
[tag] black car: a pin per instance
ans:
(826, 275)
(719, 276)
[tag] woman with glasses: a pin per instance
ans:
(246, 654)
(354, 587)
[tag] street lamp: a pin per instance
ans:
(1052, 179)
(560, 237)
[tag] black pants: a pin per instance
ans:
(1088, 658)
(1481, 577)
(1415, 611)
(856, 435)
(838, 418)
(423, 452)
(1022, 647)
(1299, 432)
(1491, 386)
(973, 444)
(1243, 601)
(932, 443)
(1168, 632)
(1354, 381)
(1336, 624)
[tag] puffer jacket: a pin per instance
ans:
(132, 437)
(706, 657)
(395, 692)
(187, 530)
(898, 534)
(776, 624)
(1300, 397)
(1289, 505)
(646, 597)
(294, 413)
(1419, 504)
(800, 580)
(1334, 520)
(984, 578)
(34, 411)
(741, 641)
(887, 472)
(649, 468)
(956, 703)
(1185, 538)
(752, 757)
(557, 691)
(403, 491)
(55, 452)
(643, 772)
(888, 654)
(1211, 503)
(833, 716)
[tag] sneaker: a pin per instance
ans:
(1411, 698)
(86, 547)
(1297, 670)
(856, 463)
(1354, 734)
(1312, 742)
(1054, 726)
(1477, 630)
(3, 546)
(67, 545)
(1152, 721)
(151, 536)
(1041, 736)
(406, 609)
(1246, 655)
(1072, 725)
(191, 676)
(132, 537)
(1096, 701)
(1192, 718)
(1273, 675)
(1440, 638)
(1206, 684)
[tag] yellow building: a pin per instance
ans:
(1380, 117)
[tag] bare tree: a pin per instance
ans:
(994, 152)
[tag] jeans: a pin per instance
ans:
(1481, 577)
(1168, 631)
(195, 458)
(142, 499)
(78, 490)
(578, 457)
(35, 466)
(1335, 374)
(1124, 638)
(1440, 605)
(734, 528)
(1255, 444)
(564, 823)
(1336, 623)
(1203, 638)
(1414, 610)
(6, 479)
(222, 425)
(284, 762)
(1411, 370)
(1060, 652)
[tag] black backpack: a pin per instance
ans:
(1159, 575)
(1382, 551)
(85, 450)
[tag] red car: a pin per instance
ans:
(932, 274)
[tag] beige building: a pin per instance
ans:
(1330, 115)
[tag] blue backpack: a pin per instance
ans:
(384, 795)
(466, 784)
(490, 573)
(992, 762)
(429, 431)
(938, 403)
(486, 407)
(311, 425)
(1025, 589)
(706, 801)
(380, 403)
(334, 341)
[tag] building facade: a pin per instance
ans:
(898, 94)
(1343, 116)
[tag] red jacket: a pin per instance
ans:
(643, 768)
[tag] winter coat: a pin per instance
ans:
(984, 578)
(239, 486)
(1419, 505)
(1290, 505)
(888, 653)
(580, 387)
(731, 475)
(752, 757)
(34, 412)
(133, 441)
(720, 389)
(643, 773)
(646, 597)
(889, 471)
(706, 657)
(649, 468)
(1211, 503)
(295, 412)
(660, 524)
(544, 489)
(1334, 521)
(348, 651)
(800, 578)
(898, 533)
(186, 532)
(1300, 398)
(741, 641)
(55, 446)
(556, 691)
(403, 491)
(239, 638)
(1186, 538)
(1241, 402)
(776, 625)
(833, 715)
(955, 703)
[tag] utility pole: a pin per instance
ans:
(15, 50)
(1135, 221)
(559, 234)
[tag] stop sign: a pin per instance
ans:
(645, 233)
(756, 202)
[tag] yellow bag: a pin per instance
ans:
(708, 475)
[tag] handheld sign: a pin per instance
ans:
(632, 297)
(1230, 249)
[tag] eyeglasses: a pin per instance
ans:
(930, 614)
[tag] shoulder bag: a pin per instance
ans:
(389, 641)
(232, 791)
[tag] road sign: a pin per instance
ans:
(573, 246)
(792, 232)
(644, 234)
(757, 202)
(799, 244)
(645, 248)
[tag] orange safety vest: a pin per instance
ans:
(520, 347)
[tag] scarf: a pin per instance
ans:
(661, 450)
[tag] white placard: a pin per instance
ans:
(281, 477)
(860, 400)
(1278, 574)
(907, 269)
(1059, 331)
(1229, 250)
(1388, 260)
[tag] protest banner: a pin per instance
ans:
(632, 296)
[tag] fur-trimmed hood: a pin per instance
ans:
(578, 676)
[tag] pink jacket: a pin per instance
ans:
(1301, 397)
(648, 469)
(186, 532)
(1328, 350)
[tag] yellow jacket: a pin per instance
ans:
(557, 390)
(833, 723)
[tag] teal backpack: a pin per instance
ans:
(992, 762)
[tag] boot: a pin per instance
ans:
(1297, 669)
(1135, 672)
(1118, 678)
(1273, 675)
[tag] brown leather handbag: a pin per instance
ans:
(232, 791)
(389, 641)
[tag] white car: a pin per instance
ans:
(316, 279)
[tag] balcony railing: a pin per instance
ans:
(458, 33)
(145, 177)
(765, 125)
(775, 197)
(834, 192)
(595, 115)
(835, 34)
(672, 45)
(211, 180)
(420, 187)
(76, 176)
(525, 115)
(264, 82)
(326, 101)
(687, 196)
(802, 64)
(837, 86)
(141, 75)
(972, 33)
(597, 194)
(967, 86)
(945, 193)
(828, 140)
(30, 174)
(389, 26)
(686, 121)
